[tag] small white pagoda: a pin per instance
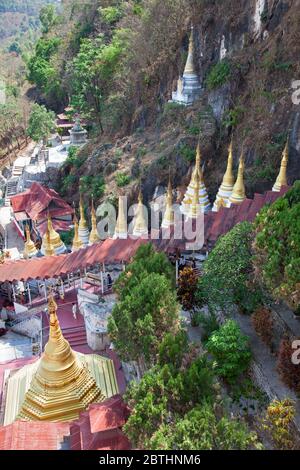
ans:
(188, 85)
(226, 188)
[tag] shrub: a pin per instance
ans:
(92, 185)
(262, 321)
(187, 152)
(278, 421)
(231, 350)
(209, 324)
(187, 286)
(122, 180)
(289, 372)
(111, 14)
(218, 75)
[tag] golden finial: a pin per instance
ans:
(121, 225)
(281, 180)
(94, 237)
(140, 225)
(30, 248)
(82, 221)
(195, 206)
(168, 218)
(228, 179)
(77, 242)
(239, 193)
(189, 67)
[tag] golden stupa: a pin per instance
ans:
(140, 227)
(168, 218)
(77, 242)
(94, 237)
(121, 230)
(201, 192)
(83, 231)
(282, 178)
(30, 248)
(226, 188)
(195, 207)
(239, 193)
(52, 240)
(62, 386)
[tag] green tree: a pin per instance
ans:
(145, 261)
(230, 349)
(47, 18)
(41, 123)
(140, 321)
(228, 273)
(277, 247)
(201, 429)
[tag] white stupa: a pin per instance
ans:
(188, 86)
(226, 188)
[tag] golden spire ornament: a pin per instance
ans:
(77, 242)
(140, 227)
(239, 193)
(52, 240)
(168, 218)
(94, 237)
(282, 178)
(226, 188)
(195, 207)
(47, 249)
(121, 230)
(30, 248)
(61, 387)
(189, 67)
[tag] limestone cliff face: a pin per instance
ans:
(247, 57)
(260, 42)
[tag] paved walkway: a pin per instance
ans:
(267, 363)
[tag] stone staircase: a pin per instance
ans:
(76, 336)
(11, 189)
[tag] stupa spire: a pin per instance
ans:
(281, 180)
(140, 227)
(168, 218)
(189, 66)
(83, 231)
(77, 242)
(197, 179)
(195, 207)
(226, 188)
(121, 230)
(94, 237)
(30, 248)
(239, 193)
(61, 387)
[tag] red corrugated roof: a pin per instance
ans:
(38, 201)
(33, 435)
(110, 251)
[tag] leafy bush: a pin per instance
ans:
(202, 429)
(67, 183)
(73, 158)
(289, 372)
(230, 348)
(262, 321)
(93, 185)
(67, 237)
(278, 421)
(122, 180)
(218, 75)
(187, 286)
(187, 152)
(209, 324)
(111, 14)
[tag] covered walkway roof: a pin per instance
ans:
(110, 251)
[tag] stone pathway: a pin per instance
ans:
(267, 363)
